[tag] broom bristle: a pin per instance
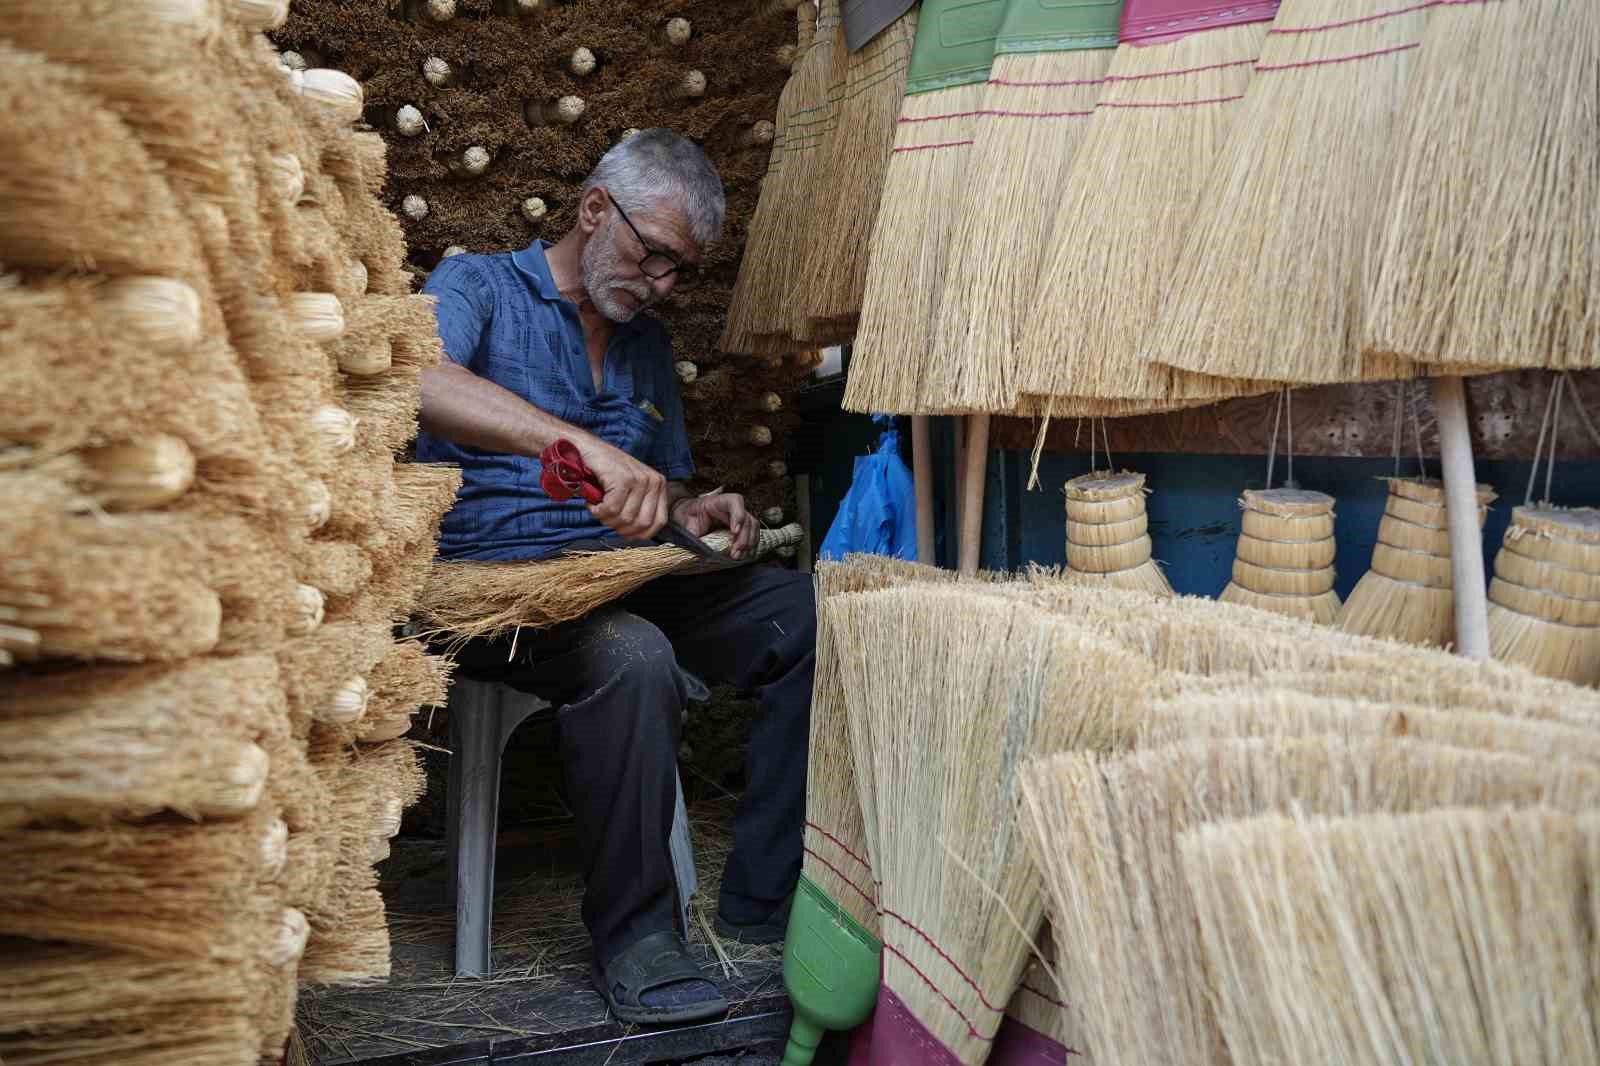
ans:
(1290, 201)
(1483, 259)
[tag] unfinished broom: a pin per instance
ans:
(1050, 64)
(1453, 936)
(1406, 595)
(1105, 833)
(1291, 200)
(1480, 257)
(967, 700)
(1107, 533)
(1544, 600)
(1168, 106)
(923, 189)
(1284, 559)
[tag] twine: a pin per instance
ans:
(1285, 411)
(1551, 423)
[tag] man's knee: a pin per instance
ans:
(794, 611)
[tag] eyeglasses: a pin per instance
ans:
(656, 263)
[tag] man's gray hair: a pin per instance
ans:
(656, 164)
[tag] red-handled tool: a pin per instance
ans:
(566, 475)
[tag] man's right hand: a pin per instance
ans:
(635, 502)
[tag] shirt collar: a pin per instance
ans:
(533, 264)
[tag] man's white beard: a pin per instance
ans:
(600, 262)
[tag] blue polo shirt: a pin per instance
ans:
(501, 317)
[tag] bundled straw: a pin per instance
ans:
(1452, 936)
(925, 186)
(1105, 834)
(1284, 561)
(1407, 593)
(324, 674)
(1483, 256)
(1107, 533)
(1169, 104)
(970, 685)
(1544, 600)
(472, 600)
(1038, 1025)
(1049, 67)
(1289, 205)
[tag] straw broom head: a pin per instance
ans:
(1290, 201)
(746, 318)
(1480, 259)
(1037, 1003)
(972, 685)
(1163, 115)
(1123, 890)
(1106, 542)
(1456, 935)
(1544, 599)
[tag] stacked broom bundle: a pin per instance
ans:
(1544, 600)
(200, 693)
(1284, 560)
(1108, 538)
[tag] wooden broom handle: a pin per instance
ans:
(1461, 515)
(922, 476)
(976, 463)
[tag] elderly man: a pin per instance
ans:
(552, 341)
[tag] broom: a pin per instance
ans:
(1050, 62)
(957, 706)
(1483, 258)
(1039, 1028)
(1168, 106)
(1454, 936)
(854, 161)
(1284, 559)
(1544, 600)
(1105, 833)
(1291, 200)
(1407, 594)
(1107, 533)
(923, 188)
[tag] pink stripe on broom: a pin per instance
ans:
(1379, 17)
(927, 147)
(1179, 73)
(1340, 59)
(940, 992)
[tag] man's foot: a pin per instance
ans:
(769, 929)
(655, 982)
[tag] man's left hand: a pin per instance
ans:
(725, 510)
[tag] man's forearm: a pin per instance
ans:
(464, 408)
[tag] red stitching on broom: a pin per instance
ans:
(1036, 114)
(842, 845)
(843, 877)
(1010, 84)
(1340, 59)
(941, 953)
(1379, 17)
(935, 118)
(1175, 103)
(925, 147)
(971, 1029)
(1053, 1001)
(1176, 73)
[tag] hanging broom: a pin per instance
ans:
(1284, 559)
(966, 700)
(1049, 66)
(1169, 104)
(1291, 200)
(1483, 256)
(1544, 600)
(1452, 936)
(1407, 593)
(924, 188)
(856, 157)
(1107, 533)
(1105, 833)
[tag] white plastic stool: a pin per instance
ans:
(482, 718)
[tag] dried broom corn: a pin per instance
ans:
(92, 744)
(386, 405)
(315, 669)
(1144, 987)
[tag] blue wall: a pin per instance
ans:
(1194, 511)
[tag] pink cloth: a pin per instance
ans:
(1152, 21)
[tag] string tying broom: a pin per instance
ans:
(1169, 104)
(971, 698)
(1105, 833)
(1290, 201)
(1107, 533)
(923, 189)
(1050, 62)
(1455, 935)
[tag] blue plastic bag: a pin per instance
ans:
(879, 513)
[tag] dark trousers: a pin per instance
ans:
(617, 678)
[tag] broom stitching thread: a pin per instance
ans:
(928, 147)
(1295, 595)
(1547, 592)
(907, 120)
(971, 1029)
(1379, 17)
(942, 954)
(1185, 70)
(1013, 83)
(842, 845)
(1047, 997)
(843, 877)
(1172, 103)
(1305, 63)
(1419, 525)
(1283, 569)
(996, 113)
(1277, 540)
(1412, 551)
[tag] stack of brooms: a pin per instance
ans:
(211, 360)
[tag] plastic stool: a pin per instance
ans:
(483, 715)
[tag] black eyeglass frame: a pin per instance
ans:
(686, 271)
